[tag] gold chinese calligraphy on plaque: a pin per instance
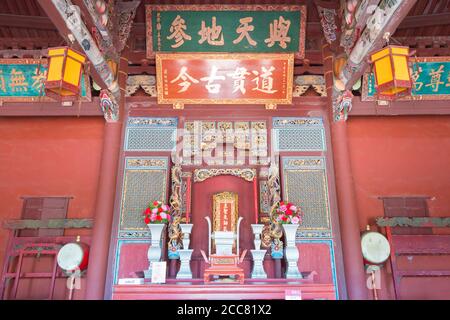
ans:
(225, 78)
(226, 28)
(225, 211)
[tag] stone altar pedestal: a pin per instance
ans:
(185, 264)
(291, 252)
(258, 269)
(258, 254)
(154, 252)
(185, 253)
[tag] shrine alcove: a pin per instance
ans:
(202, 206)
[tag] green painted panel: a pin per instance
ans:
(431, 79)
(181, 31)
(26, 81)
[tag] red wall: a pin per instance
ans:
(49, 157)
(402, 156)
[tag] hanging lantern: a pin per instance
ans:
(65, 68)
(392, 76)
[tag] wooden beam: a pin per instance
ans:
(33, 109)
(429, 20)
(312, 29)
(314, 57)
(92, 20)
(151, 69)
(372, 38)
(100, 71)
(395, 108)
(29, 43)
(151, 104)
(22, 54)
(433, 222)
(30, 22)
(48, 224)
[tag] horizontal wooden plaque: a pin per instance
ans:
(225, 78)
(430, 75)
(22, 80)
(226, 29)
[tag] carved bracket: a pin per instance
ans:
(126, 11)
(303, 83)
(175, 204)
(275, 197)
(109, 106)
(203, 174)
(431, 222)
(146, 82)
(328, 22)
(342, 104)
(48, 224)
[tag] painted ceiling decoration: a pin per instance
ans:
(365, 27)
(328, 21)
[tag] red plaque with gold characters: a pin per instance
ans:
(225, 78)
(225, 211)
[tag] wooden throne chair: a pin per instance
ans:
(223, 243)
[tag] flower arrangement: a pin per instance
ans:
(287, 213)
(157, 212)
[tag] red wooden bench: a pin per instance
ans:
(410, 245)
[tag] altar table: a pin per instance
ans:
(197, 290)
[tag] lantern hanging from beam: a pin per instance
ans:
(64, 73)
(392, 75)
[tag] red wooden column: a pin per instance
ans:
(348, 213)
(104, 208)
(98, 256)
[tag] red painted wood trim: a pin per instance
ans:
(35, 275)
(424, 273)
(393, 261)
(42, 109)
(421, 244)
(255, 197)
(219, 291)
(410, 107)
(297, 102)
(53, 281)
(23, 243)
(188, 198)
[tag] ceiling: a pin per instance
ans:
(24, 25)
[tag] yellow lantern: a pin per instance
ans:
(392, 75)
(65, 68)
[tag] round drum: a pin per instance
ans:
(73, 256)
(375, 248)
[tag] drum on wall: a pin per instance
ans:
(375, 248)
(73, 256)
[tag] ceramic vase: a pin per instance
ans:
(291, 252)
(154, 253)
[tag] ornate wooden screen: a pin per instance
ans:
(304, 182)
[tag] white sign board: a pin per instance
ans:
(131, 281)
(159, 272)
(293, 294)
